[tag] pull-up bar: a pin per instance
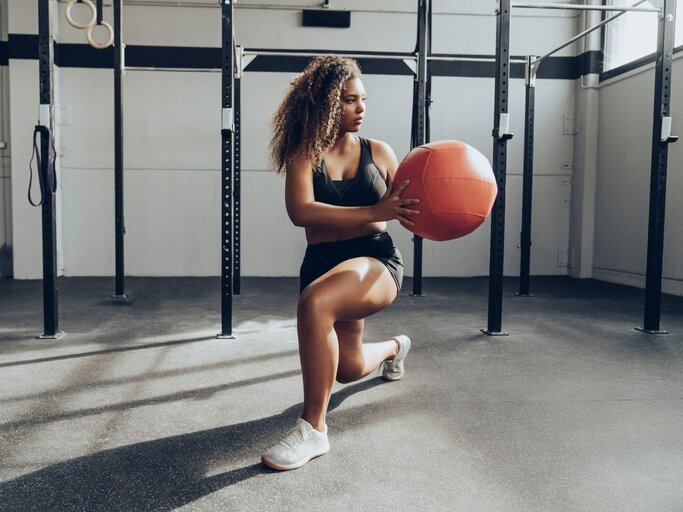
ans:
(581, 35)
(576, 7)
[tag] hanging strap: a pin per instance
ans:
(48, 182)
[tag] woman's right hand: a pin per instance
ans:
(392, 206)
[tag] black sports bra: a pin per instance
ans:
(364, 189)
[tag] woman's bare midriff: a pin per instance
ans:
(319, 235)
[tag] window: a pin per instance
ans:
(634, 34)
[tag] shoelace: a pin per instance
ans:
(294, 438)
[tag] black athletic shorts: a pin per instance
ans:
(322, 257)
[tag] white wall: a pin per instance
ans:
(582, 207)
(23, 111)
(172, 140)
(623, 182)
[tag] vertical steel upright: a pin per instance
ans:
(428, 89)
(528, 177)
(227, 134)
(238, 178)
(500, 137)
(420, 132)
(119, 225)
(47, 172)
(661, 138)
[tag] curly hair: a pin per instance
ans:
(308, 119)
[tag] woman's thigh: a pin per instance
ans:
(352, 290)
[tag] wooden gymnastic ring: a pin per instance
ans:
(76, 24)
(100, 46)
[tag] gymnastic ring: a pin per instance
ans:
(100, 46)
(76, 24)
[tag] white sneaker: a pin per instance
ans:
(392, 369)
(300, 445)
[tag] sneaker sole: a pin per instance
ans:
(296, 465)
(392, 378)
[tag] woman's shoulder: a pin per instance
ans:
(300, 164)
(380, 147)
(382, 154)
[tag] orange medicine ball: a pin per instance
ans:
(456, 187)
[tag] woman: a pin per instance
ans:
(339, 187)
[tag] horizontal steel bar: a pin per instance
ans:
(406, 56)
(303, 53)
(449, 58)
(241, 5)
(577, 7)
(177, 70)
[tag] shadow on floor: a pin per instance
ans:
(167, 473)
(105, 351)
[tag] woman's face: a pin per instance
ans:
(353, 102)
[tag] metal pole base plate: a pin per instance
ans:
(221, 336)
(650, 331)
(56, 336)
(493, 333)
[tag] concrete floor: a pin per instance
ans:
(140, 408)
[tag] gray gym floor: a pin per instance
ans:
(141, 408)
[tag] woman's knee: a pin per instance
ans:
(312, 303)
(348, 375)
(351, 366)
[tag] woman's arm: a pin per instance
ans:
(304, 210)
(386, 161)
